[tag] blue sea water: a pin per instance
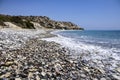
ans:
(95, 46)
(103, 38)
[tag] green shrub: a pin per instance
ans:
(16, 19)
(3, 19)
(29, 25)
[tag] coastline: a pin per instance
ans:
(39, 59)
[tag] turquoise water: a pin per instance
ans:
(108, 39)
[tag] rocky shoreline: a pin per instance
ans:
(37, 59)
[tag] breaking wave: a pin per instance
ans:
(96, 55)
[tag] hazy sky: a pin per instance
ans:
(90, 14)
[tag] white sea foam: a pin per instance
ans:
(89, 51)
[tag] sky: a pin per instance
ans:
(89, 14)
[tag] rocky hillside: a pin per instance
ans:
(36, 22)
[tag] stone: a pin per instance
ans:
(43, 73)
(17, 71)
(118, 69)
(49, 74)
(43, 63)
(33, 70)
(116, 76)
(58, 67)
(102, 79)
(3, 79)
(6, 75)
(94, 79)
(37, 72)
(71, 61)
(9, 63)
(37, 77)
(22, 75)
(30, 75)
(18, 79)
(101, 70)
(86, 69)
(4, 52)
(83, 75)
(43, 79)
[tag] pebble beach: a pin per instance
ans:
(25, 56)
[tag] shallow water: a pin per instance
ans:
(102, 47)
(110, 39)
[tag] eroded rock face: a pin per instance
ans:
(34, 22)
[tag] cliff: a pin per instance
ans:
(36, 22)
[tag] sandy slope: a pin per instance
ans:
(11, 25)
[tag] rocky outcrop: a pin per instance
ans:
(36, 22)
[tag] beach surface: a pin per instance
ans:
(25, 55)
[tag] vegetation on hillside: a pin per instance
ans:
(25, 22)
(16, 20)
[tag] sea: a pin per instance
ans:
(99, 46)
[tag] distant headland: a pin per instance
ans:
(35, 22)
